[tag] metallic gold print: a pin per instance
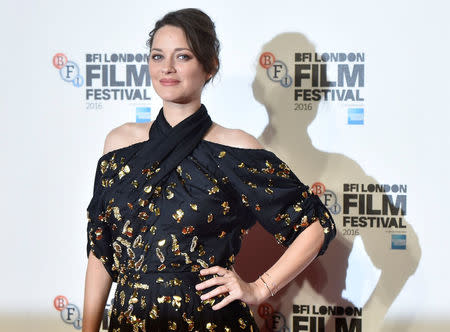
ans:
(123, 171)
(202, 263)
(193, 206)
(142, 202)
(117, 248)
(164, 299)
(124, 242)
(138, 264)
(175, 245)
(213, 190)
(172, 325)
(280, 238)
(154, 312)
(226, 208)
(103, 166)
(143, 302)
(304, 222)
(242, 323)
(170, 194)
(160, 255)
(143, 215)
(122, 298)
(193, 243)
(178, 215)
(139, 285)
(244, 199)
(188, 229)
(159, 280)
(210, 326)
(176, 301)
(138, 242)
(210, 217)
(222, 154)
(161, 242)
(222, 234)
(201, 251)
(117, 215)
(125, 226)
(130, 253)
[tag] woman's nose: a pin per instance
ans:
(168, 67)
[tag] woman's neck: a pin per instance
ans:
(175, 113)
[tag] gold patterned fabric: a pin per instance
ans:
(153, 238)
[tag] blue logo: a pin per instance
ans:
(355, 116)
(142, 114)
(398, 241)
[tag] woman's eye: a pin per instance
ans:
(156, 56)
(184, 56)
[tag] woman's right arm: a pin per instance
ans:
(96, 290)
(98, 282)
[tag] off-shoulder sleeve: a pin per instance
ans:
(99, 238)
(273, 195)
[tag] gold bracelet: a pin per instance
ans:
(271, 293)
(274, 285)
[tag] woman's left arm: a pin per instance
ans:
(293, 261)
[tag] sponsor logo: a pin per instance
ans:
(142, 114)
(398, 241)
(355, 116)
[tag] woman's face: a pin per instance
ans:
(177, 76)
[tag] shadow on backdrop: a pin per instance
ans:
(324, 281)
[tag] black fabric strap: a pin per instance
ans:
(166, 148)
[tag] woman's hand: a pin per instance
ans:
(230, 284)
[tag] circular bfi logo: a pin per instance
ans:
(274, 321)
(276, 70)
(69, 71)
(69, 312)
(328, 197)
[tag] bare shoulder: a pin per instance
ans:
(232, 137)
(125, 135)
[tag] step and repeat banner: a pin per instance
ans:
(350, 94)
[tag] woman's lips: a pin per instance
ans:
(169, 82)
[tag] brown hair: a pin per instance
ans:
(200, 35)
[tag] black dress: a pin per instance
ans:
(195, 217)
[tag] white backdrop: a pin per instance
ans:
(51, 142)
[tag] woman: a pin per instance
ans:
(173, 199)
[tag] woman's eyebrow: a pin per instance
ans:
(177, 49)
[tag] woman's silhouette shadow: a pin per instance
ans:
(324, 281)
